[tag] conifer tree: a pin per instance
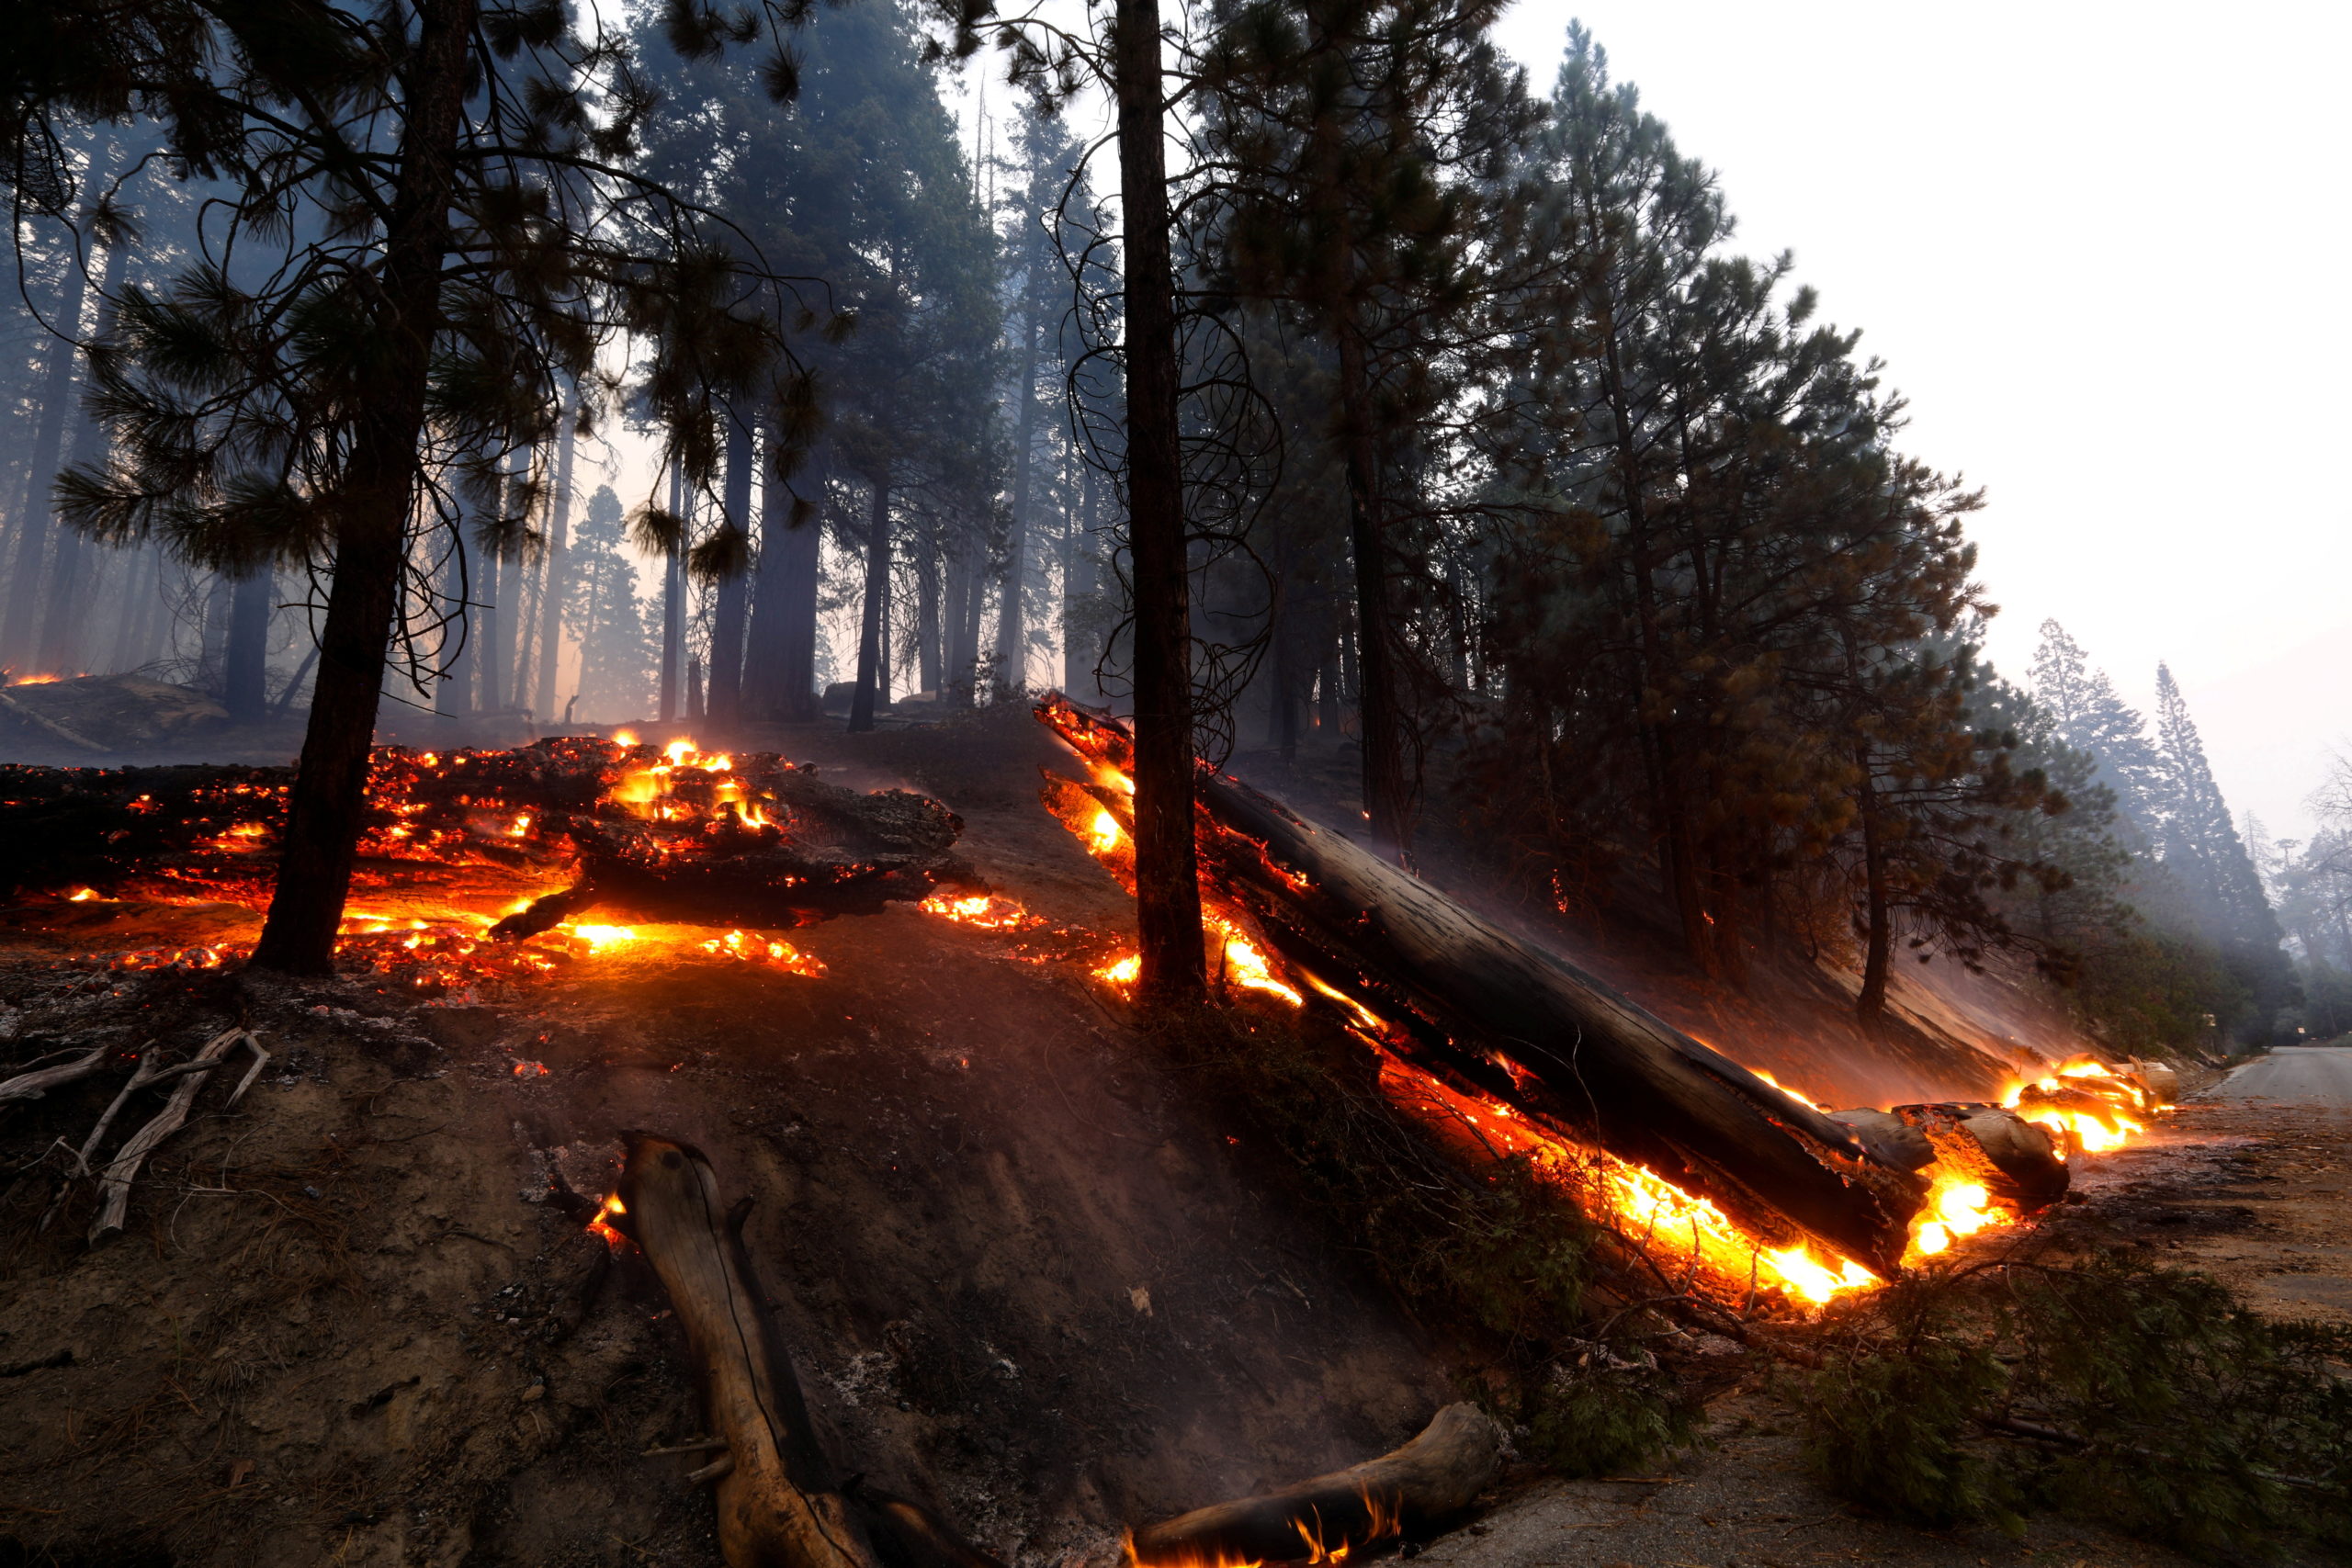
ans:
(428, 228)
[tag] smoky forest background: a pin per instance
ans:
(1584, 544)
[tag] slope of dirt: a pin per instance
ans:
(1023, 1274)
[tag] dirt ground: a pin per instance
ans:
(2250, 1190)
(1026, 1276)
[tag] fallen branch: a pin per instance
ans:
(114, 1182)
(33, 1084)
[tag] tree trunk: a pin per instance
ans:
(245, 666)
(1879, 935)
(729, 602)
(804, 558)
(329, 794)
(1011, 628)
(1167, 893)
(20, 636)
(453, 695)
(673, 610)
(778, 1505)
(490, 655)
(1498, 1018)
(555, 575)
(1387, 799)
(869, 627)
(963, 584)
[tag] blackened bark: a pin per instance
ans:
(324, 808)
(1167, 892)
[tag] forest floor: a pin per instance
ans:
(1026, 1275)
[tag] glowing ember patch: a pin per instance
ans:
(600, 1225)
(599, 938)
(81, 894)
(1798, 1095)
(1104, 833)
(753, 949)
(981, 909)
(519, 826)
(1121, 972)
(1247, 967)
(530, 1069)
(2087, 1104)
(624, 736)
(41, 680)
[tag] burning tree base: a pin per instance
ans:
(1684, 1148)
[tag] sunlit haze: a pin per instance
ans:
(2098, 246)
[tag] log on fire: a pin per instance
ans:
(1501, 1018)
(644, 832)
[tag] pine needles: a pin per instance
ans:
(2148, 1399)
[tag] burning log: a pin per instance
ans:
(1489, 1013)
(778, 1505)
(1437, 1474)
(652, 833)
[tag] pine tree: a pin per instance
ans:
(2200, 846)
(2086, 714)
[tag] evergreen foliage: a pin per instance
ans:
(2147, 1398)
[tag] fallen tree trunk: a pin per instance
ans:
(1502, 1018)
(1436, 1475)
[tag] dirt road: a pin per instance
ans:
(2299, 1075)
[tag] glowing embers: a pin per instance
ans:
(2088, 1104)
(753, 949)
(1677, 1233)
(602, 1226)
(685, 785)
(1956, 1207)
(1121, 972)
(41, 680)
(1381, 1521)
(984, 911)
(1241, 965)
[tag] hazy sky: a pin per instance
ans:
(2102, 248)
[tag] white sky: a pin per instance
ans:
(2101, 248)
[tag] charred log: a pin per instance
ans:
(2015, 1159)
(1483, 1010)
(1436, 1475)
